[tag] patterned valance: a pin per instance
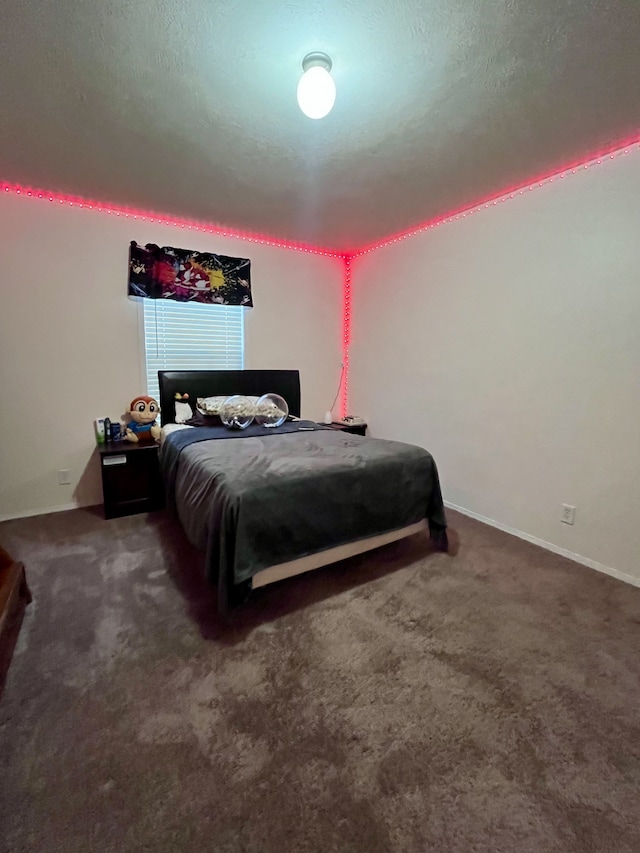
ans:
(182, 275)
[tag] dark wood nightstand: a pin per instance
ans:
(131, 480)
(354, 429)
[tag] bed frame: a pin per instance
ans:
(215, 383)
(286, 383)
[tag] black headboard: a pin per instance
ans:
(213, 383)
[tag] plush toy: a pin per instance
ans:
(183, 408)
(142, 426)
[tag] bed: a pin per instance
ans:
(267, 504)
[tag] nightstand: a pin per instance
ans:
(354, 429)
(131, 480)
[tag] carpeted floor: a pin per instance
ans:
(486, 702)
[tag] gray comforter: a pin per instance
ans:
(265, 498)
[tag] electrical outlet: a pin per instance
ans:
(64, 477)
(567, 514)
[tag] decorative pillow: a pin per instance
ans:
(210, 405)
(270, 407)
(199, 420)
(271, 410)
(237, 412)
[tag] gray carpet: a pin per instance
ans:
(486, 702)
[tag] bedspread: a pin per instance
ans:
(264, 497)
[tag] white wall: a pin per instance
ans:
(69, 337)
(508, 344)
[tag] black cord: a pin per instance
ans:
(335, 400)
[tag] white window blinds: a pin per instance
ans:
(191, 336)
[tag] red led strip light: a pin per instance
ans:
(346, 334)
(189, 225)
(505, 195)
(162, 219)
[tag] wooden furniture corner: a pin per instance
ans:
(14, 597)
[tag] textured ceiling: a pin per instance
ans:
(188, 106)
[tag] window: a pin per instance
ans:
(191, 336)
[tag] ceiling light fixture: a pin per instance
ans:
(316, 89)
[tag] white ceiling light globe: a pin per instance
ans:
(317, 91)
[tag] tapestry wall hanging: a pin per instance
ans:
(182, 275)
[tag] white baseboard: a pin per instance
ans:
(563, 552)
(27, 513)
